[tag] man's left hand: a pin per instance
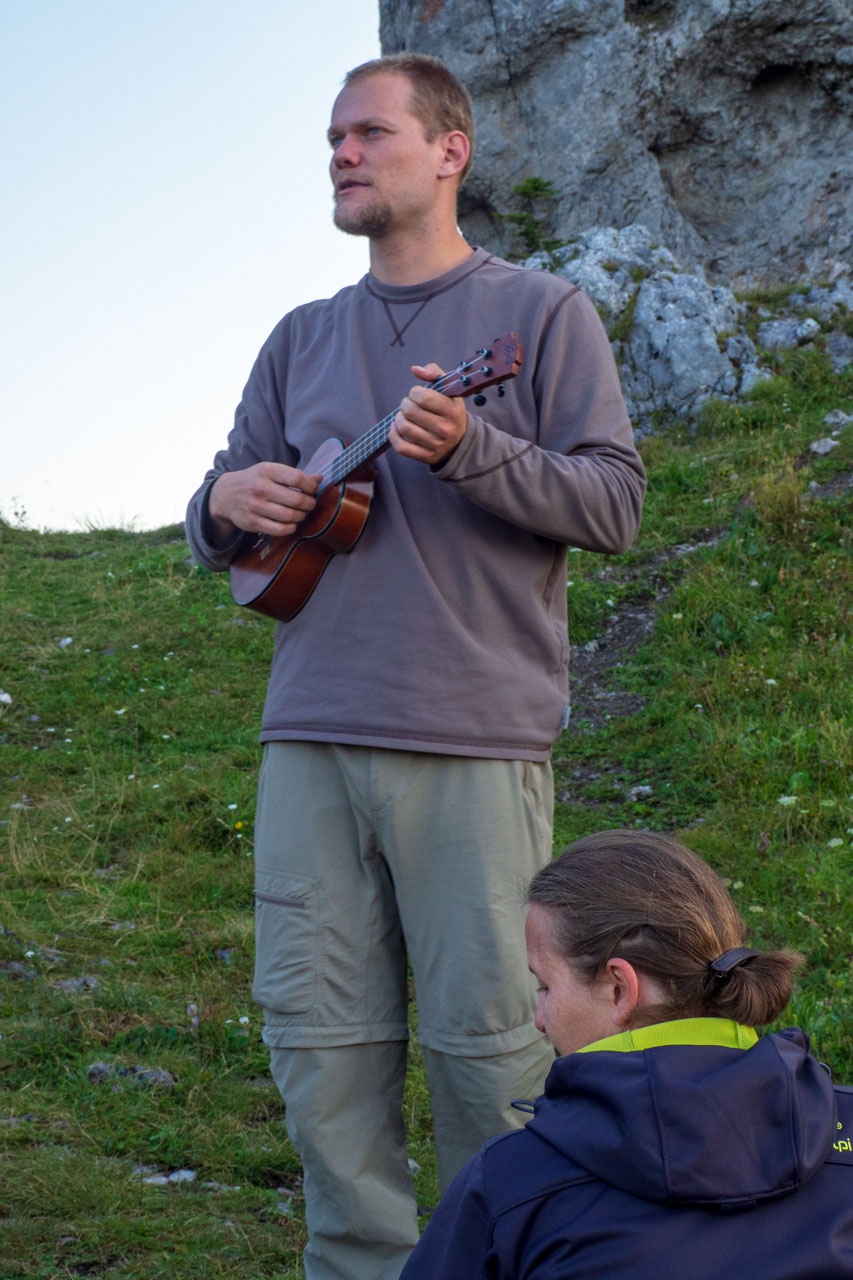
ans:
(428, 425)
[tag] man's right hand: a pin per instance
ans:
(266, 498)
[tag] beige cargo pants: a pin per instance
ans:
(364, 856)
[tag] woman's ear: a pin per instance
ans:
(622, 983)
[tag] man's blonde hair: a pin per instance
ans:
(439, 100)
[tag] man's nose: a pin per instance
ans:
(346, 153)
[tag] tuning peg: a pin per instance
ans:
(501, 391)
(479, 399)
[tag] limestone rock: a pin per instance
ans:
(839, 348)
(780, 335)
(675, 336)
(724, 126)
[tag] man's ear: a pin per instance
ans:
(456, 150)
(623, 989)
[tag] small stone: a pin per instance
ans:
(639, 793)
(820, 447)
(150, 1076)
(99, 1072)
(807, 330)
(778, 335)
(156, 1077)
(839, 348)
(73, 986)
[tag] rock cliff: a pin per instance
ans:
(724, 126)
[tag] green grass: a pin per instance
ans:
(130, 757)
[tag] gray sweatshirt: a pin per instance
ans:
(444, 629)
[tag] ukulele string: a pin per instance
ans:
(361, 449)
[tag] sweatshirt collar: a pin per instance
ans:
(685, 1031)
(427, 289)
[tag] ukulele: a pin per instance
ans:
(276, 575)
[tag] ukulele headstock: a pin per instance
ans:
(491, 365)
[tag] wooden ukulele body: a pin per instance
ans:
(276, 576)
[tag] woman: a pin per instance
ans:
(671, 1141)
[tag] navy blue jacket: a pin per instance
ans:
(681, 1160)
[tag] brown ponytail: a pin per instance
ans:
(645, 897)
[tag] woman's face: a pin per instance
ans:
(570, 1011)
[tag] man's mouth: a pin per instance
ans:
(348, 184)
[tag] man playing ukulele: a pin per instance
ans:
(406, 791)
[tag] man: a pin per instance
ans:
(406, 791)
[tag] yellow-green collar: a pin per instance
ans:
(698, 1031)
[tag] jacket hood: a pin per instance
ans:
(693, 1124)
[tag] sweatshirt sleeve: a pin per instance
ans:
(457, 1243)
(257, 436)
(581, 481)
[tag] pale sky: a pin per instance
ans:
(167, 200)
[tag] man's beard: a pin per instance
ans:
(372, 220)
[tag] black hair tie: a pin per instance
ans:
(723, 965)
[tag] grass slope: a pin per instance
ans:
(129, 762)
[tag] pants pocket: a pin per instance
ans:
(286, 942)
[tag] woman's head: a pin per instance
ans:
(627, 925)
